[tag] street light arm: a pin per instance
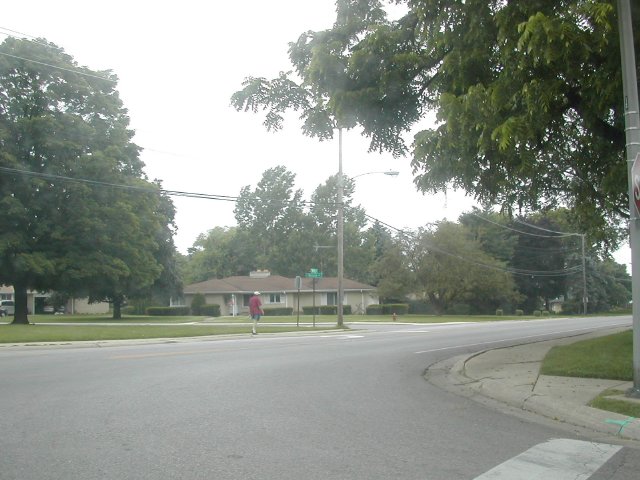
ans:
(391, 173)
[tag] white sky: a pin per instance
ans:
(178, 65)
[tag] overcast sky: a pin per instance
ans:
(178, 64)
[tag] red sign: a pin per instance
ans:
(635, 180)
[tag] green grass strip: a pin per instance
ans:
(55, 333)
(607, 357)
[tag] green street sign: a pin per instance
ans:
(313, 273)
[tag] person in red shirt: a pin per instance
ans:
(255, 310)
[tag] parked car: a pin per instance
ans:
(7, 307)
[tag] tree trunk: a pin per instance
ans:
(117, 308)
(20, 317)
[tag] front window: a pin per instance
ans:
(332, 298)
(275, 298)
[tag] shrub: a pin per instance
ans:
(537, 313)
(499, 312)
(168, 311)
(546, 313)
(128, 310)
(519, 312)
(420, 307)
(460, 309)
(278, 311)
(397, 308)
(197, 303)
(210, 310)
(374, 309)
(326, 310)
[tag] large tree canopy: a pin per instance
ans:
(76, 211)
(527, 95)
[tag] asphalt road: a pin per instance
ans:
(334, 406)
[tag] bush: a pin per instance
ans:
(397, 308)
(460, 309)
(519, 312)
(278, 311)
(499, 312)
(374, 309)
(537, 313)
(128, 310)
(198, 302)
(546, 313)
(421, 308)
(210, 310)
(168, 311)
(326, 310)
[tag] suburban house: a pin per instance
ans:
(233, 293)
(38, 302)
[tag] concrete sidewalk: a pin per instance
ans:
(511, 375)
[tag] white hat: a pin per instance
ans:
(256, 293)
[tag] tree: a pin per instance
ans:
(272, 216)
(451, 269)
(527, 96)
(64, 139)
(218, 254)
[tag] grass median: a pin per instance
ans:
(72, 333)
(609, 357)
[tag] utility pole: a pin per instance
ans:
(585, 299)
(632, 129)
(340, 233)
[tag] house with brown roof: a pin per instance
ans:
(233, 293)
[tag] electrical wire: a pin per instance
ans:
(33, 39)
(514, 271)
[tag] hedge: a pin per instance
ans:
(168, 311)
(278, 311)
(388, 309)
(210, 310)
(326, 310)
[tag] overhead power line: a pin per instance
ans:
(514, 271)
(228, 198)
(33, 39)
(558, 234)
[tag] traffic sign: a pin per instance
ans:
(635, 180)
(313, 273)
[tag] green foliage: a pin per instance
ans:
(459, 309)
(168, 311)
(326, 310)
(71, 236)
(278, 311)
(526, 94)
(499, 312)
(374, 309)
(537, 313)
(519, 312)
(197, 303)
(210, 310)
(451, 268)
(397, 308)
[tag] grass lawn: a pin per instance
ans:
(142, 326)
(604, 357)
(609, 357)
(65, 333)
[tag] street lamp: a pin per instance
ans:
(341, 227)
(391, 173)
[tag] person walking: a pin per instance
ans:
(255, 310)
